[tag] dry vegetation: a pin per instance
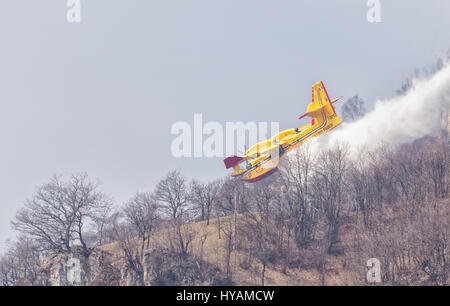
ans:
(316, 222)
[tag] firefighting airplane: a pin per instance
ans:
(262, 158)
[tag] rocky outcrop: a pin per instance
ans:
(161, 267)
(75, 269)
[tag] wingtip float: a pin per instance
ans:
(262, 158)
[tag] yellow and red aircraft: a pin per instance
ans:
(262, 158)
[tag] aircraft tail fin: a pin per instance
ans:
(321, 108)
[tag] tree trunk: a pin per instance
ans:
(263, 273)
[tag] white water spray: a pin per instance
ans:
(397, 120)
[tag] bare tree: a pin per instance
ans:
(233, 197)
(126, 237)
(172, 192)
(228, 244)
(102, 225)
(437, 164)
(173, 197)
(21, 262)
(142, 214)
(204, 196)
(431, 246)
(297, 199)
(330, 194)
(9, 270)
(258, 227)
(58, 213)
(363, 188)
(105, 224)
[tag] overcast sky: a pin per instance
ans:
(101, 96)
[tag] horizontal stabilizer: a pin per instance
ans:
(337, 99)
(311, 113)
(232, 161)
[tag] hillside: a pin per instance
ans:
(338, 269)
(319, 221)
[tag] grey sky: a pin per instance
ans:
(101, 96)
